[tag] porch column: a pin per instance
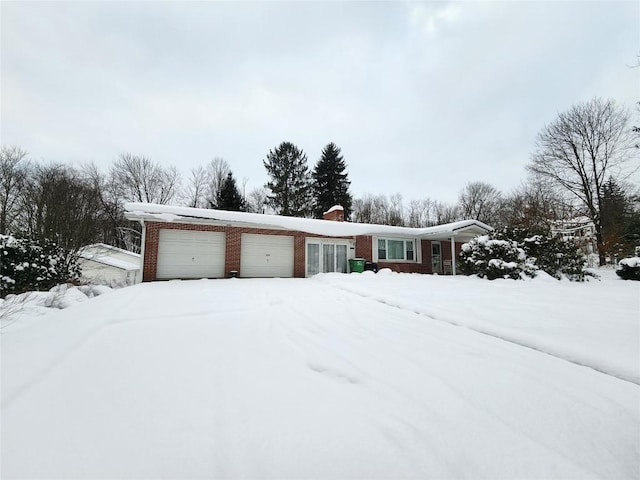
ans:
(453, 255)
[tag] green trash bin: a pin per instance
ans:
(356, 265)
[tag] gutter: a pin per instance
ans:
(142, 245)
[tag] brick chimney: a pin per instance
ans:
(335, 214)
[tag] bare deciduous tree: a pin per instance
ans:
(60, 204)
(479, 201)
(217, 171)
(370, 209)
(421, 213)
(580, 149)
(114, 228)
(142, 180)
(446, 212)
(535, 205)
(14, 168)
(395, 215)
(195, 193)
(379, 209)
(258, 201)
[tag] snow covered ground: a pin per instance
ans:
(338, 376)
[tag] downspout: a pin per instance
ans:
(142, 242)
(453, 255)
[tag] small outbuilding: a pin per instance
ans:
(107, 265)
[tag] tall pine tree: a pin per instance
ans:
(330, 182)
(228, 197)
(620, 223)
(290, 182)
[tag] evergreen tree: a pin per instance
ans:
(290, 182)
(228, 197)
(330, 183)
(620, 224)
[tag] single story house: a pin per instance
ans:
(107, 265)
(183, 242)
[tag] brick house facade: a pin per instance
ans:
(234, 225)
(233, 237)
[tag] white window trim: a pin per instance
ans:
(417, 250)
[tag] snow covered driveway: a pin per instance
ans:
(331, 377)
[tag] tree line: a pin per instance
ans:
(77, 206)
(579, 167)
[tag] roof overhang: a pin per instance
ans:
(462, 230)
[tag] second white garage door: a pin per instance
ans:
(190, 254)
(266, 256)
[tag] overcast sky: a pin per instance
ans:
(421, 97)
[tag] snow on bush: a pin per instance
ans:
(632, 262)
(516, 253)
(629, 268)
(552, 254)
(490, 257)
(29, 265)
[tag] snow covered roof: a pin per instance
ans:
(111, 262)
(103, 248)
(165, 213)
(103, 253)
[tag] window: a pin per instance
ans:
(313, 258)
(395, 249)
(341, 258)
(324, 255)
(382, 249)
(328, 258)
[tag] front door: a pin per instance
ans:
(436, 257)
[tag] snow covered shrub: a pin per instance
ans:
(555, 256)
(629, 268)
(491, 257)
(27, 265)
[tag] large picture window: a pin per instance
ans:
(396, 249)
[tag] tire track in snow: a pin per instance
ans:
(47, 370)
(504, 338)
(398, 430)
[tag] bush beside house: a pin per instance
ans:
(30, 265)
(490, 257)
(512, 253)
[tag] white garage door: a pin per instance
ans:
(190, 254)
(266, 256)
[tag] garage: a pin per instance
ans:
(190, 254)
(266, 256)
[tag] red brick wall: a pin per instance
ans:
(446, 249)
(232, 253)
(363, 247)
(234, 237)
(425, 266)
(298, 255)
